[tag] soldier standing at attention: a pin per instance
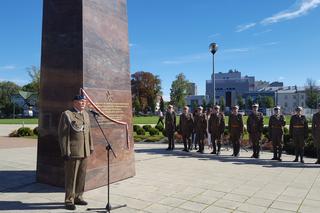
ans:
(276, 125)
(235, 126)
(170, 126)
(316, 132)
(200, 123)
(299, 133)
(76, 146)
(255, 127)
(186, 128)
(216, 128)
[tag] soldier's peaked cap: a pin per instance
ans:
(299, 108)
(277, 108)
(255, 105)
(235, 107)
(79, 97)
(217, 107)
(200, 107)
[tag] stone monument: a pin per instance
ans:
(85, 45)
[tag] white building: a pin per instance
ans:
(291, 97)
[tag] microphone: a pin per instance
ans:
(94, 113)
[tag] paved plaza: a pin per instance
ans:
(171, 182)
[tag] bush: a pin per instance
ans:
(147, 128)
(36, 131)
(153, 131)
(141, 131)
(159, 127)
(24, 131)
(136, 127)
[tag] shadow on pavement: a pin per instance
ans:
(17, 205)
(225, 158)
(21, 181)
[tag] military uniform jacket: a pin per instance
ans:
(74, 134)
(255, 123)
(298, 126)
(216, 124)
(186, 123)
(200, 124)
(235, 125)
(316, 129)
(170, 121)
(276, 125)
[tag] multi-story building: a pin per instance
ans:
(291, 97)
(229, 86)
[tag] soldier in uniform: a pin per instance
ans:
(170, 126)
(316, 132)
(235, 127)
(216, 128)
(255, 128)
(299, 132)
(76, 146)
(200, 126)
(276, 125)
(186, 128)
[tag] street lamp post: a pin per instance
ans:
(213, 47)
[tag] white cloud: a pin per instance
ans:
(8, 67)
(272, 43)
(262, 32)
(302, 7)
(244, 27)
(214, 35)
(281, 78)
(132, 45)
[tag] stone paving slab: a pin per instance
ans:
(174, 182)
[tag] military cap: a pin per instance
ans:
(216, 107)
(200, 107)
(277, 108)
(299, 108)
(170, 106)
(235, 107)
(255, 105)
(79, 97)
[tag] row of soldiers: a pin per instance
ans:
(202, 124)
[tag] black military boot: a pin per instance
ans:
(297, 156)
(274, 154)
(301, 156)
(219, 148)
(279, 154)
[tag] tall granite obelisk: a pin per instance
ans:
(85, 45)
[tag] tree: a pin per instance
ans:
(136, 105)
(249, 102)
(7, 89)
(34, 74)
(162, 108)
(204, 104)
(146, 87)
(240, 102)
(268, 102)
(312, 94)
(194, 105)
(222, 103)
(178, 91)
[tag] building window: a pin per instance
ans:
(302, 104)
(302, 96)
(294, 96)
(285, 104)
(285, 97)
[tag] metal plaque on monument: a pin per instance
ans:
(85, 45)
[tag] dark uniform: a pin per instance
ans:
(200, 127)
(235, 127)
(170, 127)
(76, 146)
(216, 129)
(255, 128)
(186, 128)
(316, 133)
(299, 133)
(276, 125)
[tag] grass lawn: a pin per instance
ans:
(136, 120)
(19, 121)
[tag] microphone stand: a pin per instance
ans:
(108, 207)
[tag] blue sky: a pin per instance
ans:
(270, 39)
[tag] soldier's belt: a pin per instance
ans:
(235, 126)
(298, 127)
(277, 127)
